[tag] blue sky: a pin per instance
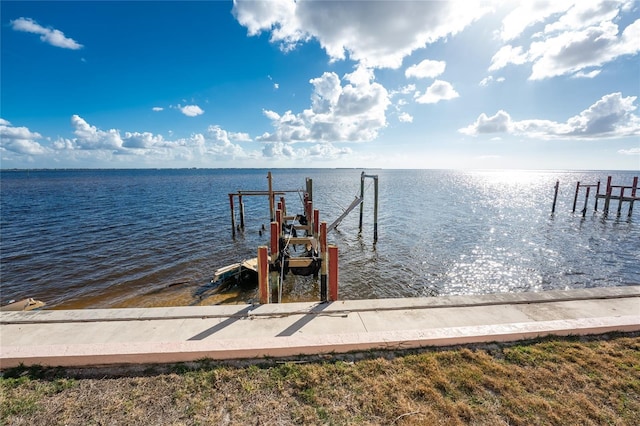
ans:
(364, 84)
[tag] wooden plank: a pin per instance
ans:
(300, 262)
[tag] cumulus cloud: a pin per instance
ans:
(378, 34)
(191, 110)
(323, 151)
(405, 118)
(19, 140)
(48, 35)
(89, 141)
(353, 112)
(438, 91)
(577, 36)
(426, 69)
(610, 117)
(157, 109)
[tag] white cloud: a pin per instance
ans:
(354, 112)
(157, 109)
(426, 69)
(498, 123)
(92, 143)
(487, 80)
(377, 34)
(438, 91)
(630, 151)
(19, 140)
(508, 55)
(90, 137)
(528, 13)
(577, 36)
(590, 74)
(48, 35)
(610, 117)
(405, 118)
(191, 110)
(322, 152)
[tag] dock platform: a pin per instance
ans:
(101, 337)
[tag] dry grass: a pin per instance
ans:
(557, 381)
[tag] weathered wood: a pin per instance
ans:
(575, 198)
(233, 216)
(333, 273)
(323, 268)
(300, 262)
(263, 274)
(300, 240)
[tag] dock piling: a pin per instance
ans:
(263, 274)
(610, 194)
(586, 201)
(333, 273)
(575, 198)
(325, 258)
(233, 216)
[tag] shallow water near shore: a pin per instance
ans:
(133, 238)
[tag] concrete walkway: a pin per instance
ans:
(177, 334)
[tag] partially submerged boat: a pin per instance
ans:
(29, 304)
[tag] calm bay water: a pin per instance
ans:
(117, 238)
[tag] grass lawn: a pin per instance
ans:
(558, 381)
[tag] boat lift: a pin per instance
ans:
(273, 262)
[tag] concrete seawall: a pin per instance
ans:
(179, 334)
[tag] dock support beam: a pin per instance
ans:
(375, 205)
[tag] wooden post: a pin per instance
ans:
(555, 197)
(362, 203)
(263, 274)
(633, 195)
(608, 183)
(325, 260)
(575, 198)
(284, 206)
(279, 220)
(275, 238)
(586, 200)
(309, 214)
(333, 273)
(241, 212)
(607, 199)
(310, 188)
(272, 208)
(316, 222)
(595, 207)
(375, 210)
(233, 216)
(620, 201)
(275, 253)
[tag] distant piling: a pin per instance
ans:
(555, 197)
(612, 192)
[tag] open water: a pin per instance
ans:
(123, 238)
